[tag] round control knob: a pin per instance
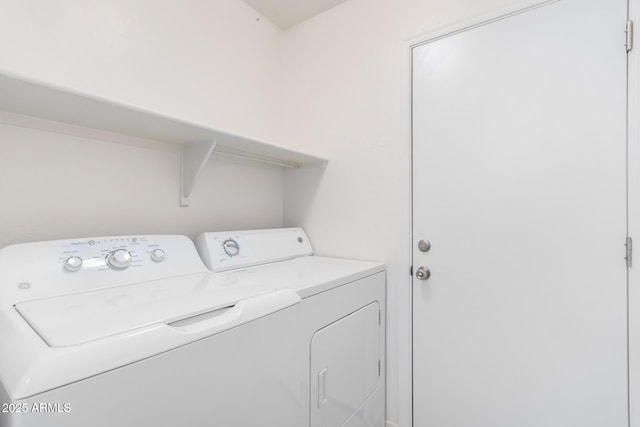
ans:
(157, 255)
(73, 263)
(231, 247)
(120, 259)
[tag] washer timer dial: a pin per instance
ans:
(120, 259)
(231, 247)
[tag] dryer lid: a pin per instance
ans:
(79, 318)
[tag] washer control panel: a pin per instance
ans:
(111, 253)
(44, 269)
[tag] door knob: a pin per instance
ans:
(423, 273)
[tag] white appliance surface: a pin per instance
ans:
(87, 316)
(77, 314)
(342, 328)
(307, 275)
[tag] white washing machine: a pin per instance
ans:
(134, 331)
(342, 327)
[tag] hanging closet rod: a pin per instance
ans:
(259, 159)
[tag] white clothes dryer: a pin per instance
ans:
(342, 318)
(134, 331)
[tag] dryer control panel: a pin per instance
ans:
(230, 250)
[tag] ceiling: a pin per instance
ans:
(287, 13)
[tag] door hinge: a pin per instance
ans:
(379, 317)
(629, 32)
(629, 245)
(411, 271)
(379, 367)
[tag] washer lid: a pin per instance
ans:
(75, 319)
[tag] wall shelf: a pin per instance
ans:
(198, 142)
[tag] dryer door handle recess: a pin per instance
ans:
(241, 312)
(322, 387)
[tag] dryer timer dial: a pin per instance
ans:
(231, 247)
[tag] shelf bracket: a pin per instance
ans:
(192, 161)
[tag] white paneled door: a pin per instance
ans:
(519, 186)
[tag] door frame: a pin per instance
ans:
(405, 290)
(633, 216)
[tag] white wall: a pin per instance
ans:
(56, 186)
(206, 61)
(347, 92)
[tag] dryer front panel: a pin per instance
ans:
(345, 366)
